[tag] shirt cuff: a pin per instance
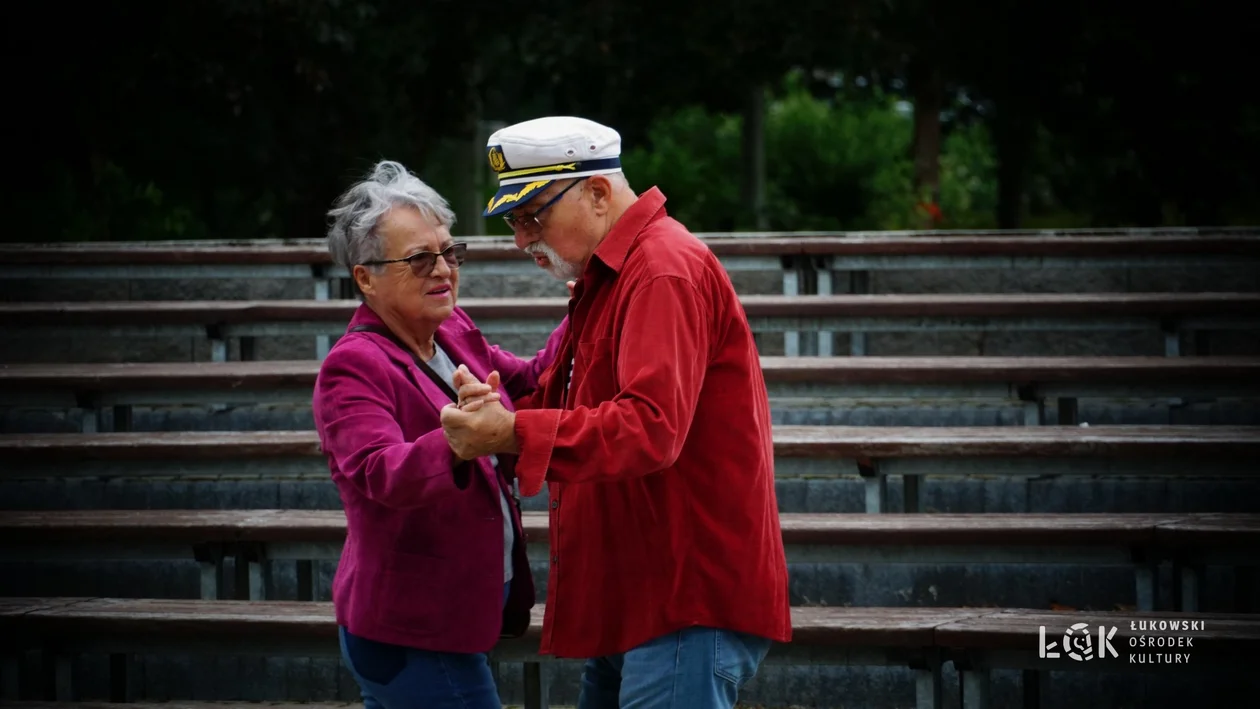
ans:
(535, 437)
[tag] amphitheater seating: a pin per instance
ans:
(254, 537)
(977, 640)
(826, 283)
(874, 453)
(1029, 382)
(309, 259)
(1178, 316)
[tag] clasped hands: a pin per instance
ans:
(478, 425)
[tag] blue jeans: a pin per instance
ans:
(696, 668)
(397, 677)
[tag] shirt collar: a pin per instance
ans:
(614, 248)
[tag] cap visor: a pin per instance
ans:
(512, 196)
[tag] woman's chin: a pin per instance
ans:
(442, 311)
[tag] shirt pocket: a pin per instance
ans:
(594, 372)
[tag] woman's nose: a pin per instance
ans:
(441, 268)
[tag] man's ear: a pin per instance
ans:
(362, 279)
(601, 191)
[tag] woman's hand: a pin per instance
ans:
(473, 394)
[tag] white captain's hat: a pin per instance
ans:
(531, 155)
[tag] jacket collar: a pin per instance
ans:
(462, 342)
(615, 247)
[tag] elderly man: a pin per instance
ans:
(651, 429)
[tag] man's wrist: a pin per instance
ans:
(509, 444)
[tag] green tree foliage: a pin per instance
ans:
(841, 163)
(241, 119)
(237, 119)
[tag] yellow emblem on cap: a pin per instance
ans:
(497, 160)
(515, 196)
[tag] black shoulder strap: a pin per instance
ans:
(424, 366)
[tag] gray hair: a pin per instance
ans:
(352, 237)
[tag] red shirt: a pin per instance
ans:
(657, 452)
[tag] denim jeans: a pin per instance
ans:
(696, 668)
(397, 677)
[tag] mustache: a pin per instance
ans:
(540, 248)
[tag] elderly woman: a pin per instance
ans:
(433, 571)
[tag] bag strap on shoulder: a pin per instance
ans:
(424, 366)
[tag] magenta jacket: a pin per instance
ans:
(422, 564)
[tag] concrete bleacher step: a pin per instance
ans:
(803, 391)
(863, 560)
(1114, 324)
(974, 642)
(285, 469)
(1171, 261)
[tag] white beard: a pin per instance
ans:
(560, 269)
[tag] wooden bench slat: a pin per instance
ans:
(175, 525)
(1241, 241)
(978, 628)
(151, 313)
(1030, 370)
(789, 441)
(163, 376)
(858, 529)
(1211, 531)
(223, 445)
(1023, 528)
(182, 312)
(1020, 441)
(1028, 245)
(177, 617)
(1011, 629)
(18, 605)
(887, 627)
(1001, 305)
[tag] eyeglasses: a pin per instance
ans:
(422, 262)
(529, 222)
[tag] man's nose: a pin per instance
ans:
(521, 238)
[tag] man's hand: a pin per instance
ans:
(571, 285)
(472, 394)
(472, 434)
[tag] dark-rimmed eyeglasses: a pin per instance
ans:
(529, 222)
(422, 262)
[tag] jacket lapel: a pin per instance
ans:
(431, 392)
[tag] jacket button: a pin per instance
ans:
(555, 504)
(554, 558)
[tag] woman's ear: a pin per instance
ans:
(363, 280)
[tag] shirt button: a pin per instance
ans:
(555, 504)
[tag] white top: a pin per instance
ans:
(442, 364)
